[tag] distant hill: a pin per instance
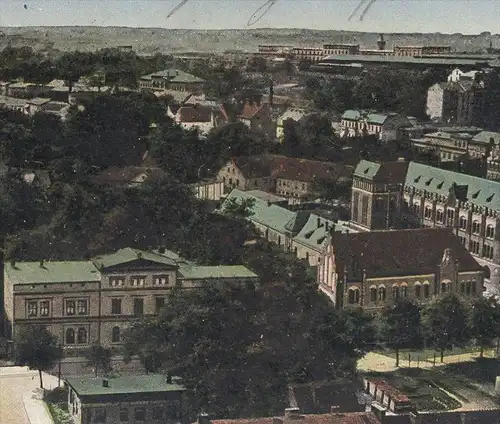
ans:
(151, 40)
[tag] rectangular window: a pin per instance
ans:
(44, 308)
(116, 281)
(158, 413)
(138, 306)
(32, 308)
(116, 306)
(82, 307)
(138, 281)
(161, 280)
(364, 210)
(70, 307)
(426, 290)
(99, 415)
(160, 303)
(140, 413)
(123, 415)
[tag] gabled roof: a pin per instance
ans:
(390, 172)
(151, 383)
(309, 170)
(292, 113)
(51, 272)
(478, 191)
(250, 110)
(313, 235)
(195, 113)
(486, 136)
(128, 254)
(270, 215)
(254, 166)
(197, 272)
(401, 252)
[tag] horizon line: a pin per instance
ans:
(256, 29)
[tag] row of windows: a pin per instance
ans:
(401, 292)
(286, 183)
(35, 308)
(99, 415)
(138, 306)
(80, 336)
(138, 281)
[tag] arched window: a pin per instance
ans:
(353, 296)
(373, 294)
(490, 231)
(418, 290)
(82, 336)
(382, 293)
(463, 222)
(476, 227)
(427, 290)
(115, 335)
(395, 292)
(403, 290)
(70, 336)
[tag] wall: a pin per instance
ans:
(435, 96)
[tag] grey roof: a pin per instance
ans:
(371, 117)
(173, 75)
(151, 383)
(264, 195)
(51, 272)
(486, 136)
(478, 191)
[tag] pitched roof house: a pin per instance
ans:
(197, 117)
(383, 125)
(372, 269)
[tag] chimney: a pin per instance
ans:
(139, 255)
(13, 263)
(169, 378)
(203, 418)
(327, 226)
(271, 93)
(292, 413)
(161, 249)
(381, 42)
(319, 222)
(105, 383)
(42, 264)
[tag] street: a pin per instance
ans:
(14, 382)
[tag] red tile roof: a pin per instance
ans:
(296, 169)
(400, 252)
(195, 113)
(346, 418)
(250, 110)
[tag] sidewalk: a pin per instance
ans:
(36, 409)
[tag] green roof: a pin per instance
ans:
(486, 136)
(151, 383)
(174, 75)
(371, 117)
(478, 191)
(51, 272)
(128, 254)
(195, 272)
(366, 169)
(270, 215)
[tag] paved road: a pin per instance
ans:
(14, 382)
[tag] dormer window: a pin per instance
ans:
(416, 180)
(440, 185)
(476, 194)
(490, 198)
(428, 182)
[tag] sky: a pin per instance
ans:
(445, 16)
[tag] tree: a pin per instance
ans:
(99, 358)
(484, 322)
(400, 326)
(242, 208)
(444, 323)
(37, 348)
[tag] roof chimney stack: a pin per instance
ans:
(42, 264)
(381, 42)
(105, 383)
(203, 418)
